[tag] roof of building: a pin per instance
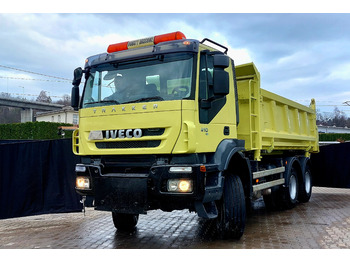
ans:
(63, 110)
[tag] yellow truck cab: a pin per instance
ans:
(170, 123)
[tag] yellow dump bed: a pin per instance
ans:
(269, 122)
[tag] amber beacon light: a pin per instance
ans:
(145, 41)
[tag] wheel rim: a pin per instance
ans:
(292, 187)
(307, 182)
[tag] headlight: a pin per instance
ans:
(82, 182)
(180, 185)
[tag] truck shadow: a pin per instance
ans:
(180, 229)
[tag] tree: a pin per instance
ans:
(64, 101)
(43, 97)
(5, 95)
(9, 115)
(336, 118)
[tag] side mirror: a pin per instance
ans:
(221, 83)
(75, 97)
(221, 61)
(78, 74)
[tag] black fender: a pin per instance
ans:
(289, 162)
(225, 150)
(229, 158)
(304, 161)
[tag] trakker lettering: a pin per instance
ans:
(123, 133)
(123, 109)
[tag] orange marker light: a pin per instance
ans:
(169, 37)
(117, 47)
(202, 169)
(145, 41)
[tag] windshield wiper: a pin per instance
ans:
(103, 101)
(144, 99)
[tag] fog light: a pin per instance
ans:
(82, 182)
(180, 185)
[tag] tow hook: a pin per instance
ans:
(83, 199)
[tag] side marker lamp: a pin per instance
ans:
(180, 169)
(82, 182)
(80, 168)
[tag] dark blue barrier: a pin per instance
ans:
(37, 177)
(331, 167)
(14, 141)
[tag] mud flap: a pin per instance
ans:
(126, 195)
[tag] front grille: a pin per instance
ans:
(153, 131)
(128, 144)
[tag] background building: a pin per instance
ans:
(333, 129)
(65, 115)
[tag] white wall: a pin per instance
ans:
(59, 117)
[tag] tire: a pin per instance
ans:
(291, 191)
(232, 209)
(125, 222)
(305, 187)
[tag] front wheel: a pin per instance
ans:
(232, 209)
(125, 222)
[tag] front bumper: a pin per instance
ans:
(136, 193)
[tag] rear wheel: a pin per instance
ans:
(125, 222)
(305, 188)
(232, 209)
(290, 192)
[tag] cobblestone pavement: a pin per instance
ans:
(324, 223)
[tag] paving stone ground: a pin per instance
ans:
(322, 223)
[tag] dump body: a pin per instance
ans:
(269, 122)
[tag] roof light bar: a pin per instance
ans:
(145, 41)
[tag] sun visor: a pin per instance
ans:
(111, 75)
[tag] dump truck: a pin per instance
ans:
(171, 123)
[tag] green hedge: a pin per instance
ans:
(32, 130)
(334, 137)
(47, 130)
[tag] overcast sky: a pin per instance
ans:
(299, 56)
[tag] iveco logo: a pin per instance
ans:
(123, 133)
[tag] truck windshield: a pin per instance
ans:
(164, 77)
